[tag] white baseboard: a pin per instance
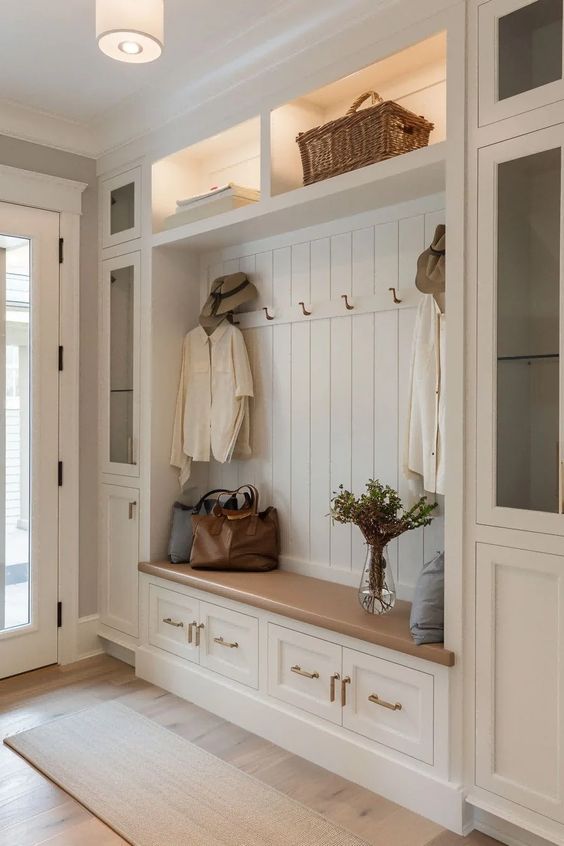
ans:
(514, 825)
(88, 642)
(122, 653)
(318, 741)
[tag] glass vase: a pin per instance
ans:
(377, 591)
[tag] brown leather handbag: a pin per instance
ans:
(246, 540)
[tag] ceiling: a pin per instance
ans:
(57, 88)
(50, 62)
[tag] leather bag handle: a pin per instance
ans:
(252, 496)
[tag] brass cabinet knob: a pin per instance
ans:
(334, 678)
(344, 683)
(392, 706)
(298, 670)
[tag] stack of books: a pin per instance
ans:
(220, 199)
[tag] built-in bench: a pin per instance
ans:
(314, 601)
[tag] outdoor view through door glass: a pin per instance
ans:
(14, 433)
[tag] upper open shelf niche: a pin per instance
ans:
(230, 156)
(415, 78)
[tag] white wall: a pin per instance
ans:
(35, 157)
(330, 394)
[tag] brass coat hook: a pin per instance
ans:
(304, 309)
(268, 316)
(345, 297)
(394, 295)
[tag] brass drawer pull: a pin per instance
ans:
(397, 706)
(334, 678)
(344, 683)
(199, 628)
(190, 634)
(226, 643)
(297, 669)
(170, 622)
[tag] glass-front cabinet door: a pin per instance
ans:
(121, 205)
(520, 56)
(119, 380)
(520, 449)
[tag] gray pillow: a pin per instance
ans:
(180, 543)
(428, 609)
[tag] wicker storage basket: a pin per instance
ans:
(361, 138)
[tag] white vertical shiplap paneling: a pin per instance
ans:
(282, 278)
(362, 262)
(281, 427)
(300, 274)
(410, 545)
(386, 256)
(300, 422)
(330, 395)
(362, 421)
(320, 440)
(341, 431)
(341, 265)
(320, 257)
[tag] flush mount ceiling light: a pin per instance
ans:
(130, 30)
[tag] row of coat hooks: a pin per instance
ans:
(349, 306)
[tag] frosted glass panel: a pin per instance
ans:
(528, 293)
(121, 365)
(530, 48)
(122, 208)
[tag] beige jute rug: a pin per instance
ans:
(156, 789)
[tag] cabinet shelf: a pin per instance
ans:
(407, 177)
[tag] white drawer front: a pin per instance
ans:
(300, 669)
(170, 617)
(229, 643)
(389, 703)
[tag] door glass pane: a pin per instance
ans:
(528, 331)
(14, 433)
(122, 208)
(121, 365)
(530, 47)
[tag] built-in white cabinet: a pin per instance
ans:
(217, 638)
(520, 677)
(520, 56)
(378, 699)
(120, 205)
(119, 558)
(119, 365)
(520, 294)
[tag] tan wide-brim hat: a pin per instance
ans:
(227, 293)
(430, 277)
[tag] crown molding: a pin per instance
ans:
(18, 121)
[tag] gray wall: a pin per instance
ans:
(41, 159)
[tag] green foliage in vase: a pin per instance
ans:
(379, 512)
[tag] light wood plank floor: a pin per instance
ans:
(33, 810)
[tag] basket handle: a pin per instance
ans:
(360, 100)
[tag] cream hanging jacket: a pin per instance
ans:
(212, 406)
(425, 430)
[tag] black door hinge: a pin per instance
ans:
(61, 249)
(59, 614)
(60, 358)
(60, 473)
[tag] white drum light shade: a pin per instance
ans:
(130, 30)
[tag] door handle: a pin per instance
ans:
(190, 634)
(131, 507)
(199, 628)
(392, 706)
(176, 623)
(226, 643)
(344, 683)
(298, 670)
(334, 679)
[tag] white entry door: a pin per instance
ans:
(29, 434)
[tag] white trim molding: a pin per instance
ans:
(40, 191)
(88, 643)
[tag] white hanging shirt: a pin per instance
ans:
(212, 406)
(425, 430)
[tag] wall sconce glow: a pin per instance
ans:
(130, 30)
